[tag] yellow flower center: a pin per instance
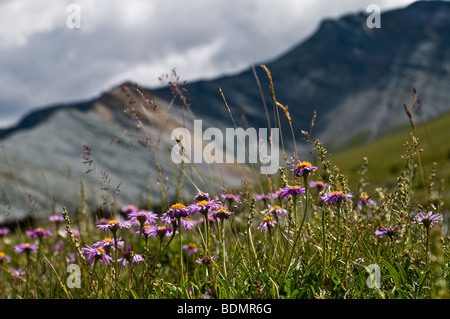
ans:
(100, 249)
(203, 202)
(304, 164)
(192, 245)
(39, 229)
(161, 227)
(112, 222)
(146, 226)
(268, 219)
(177, 206)
(2, 255)
(276, 207)
(107, 239)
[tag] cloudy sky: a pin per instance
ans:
(44, 62)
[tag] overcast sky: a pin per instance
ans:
(44, 62)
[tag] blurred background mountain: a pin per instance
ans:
(356, 78)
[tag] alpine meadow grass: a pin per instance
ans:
(302, 233)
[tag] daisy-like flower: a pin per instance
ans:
(228, 197)
(365, 201)
(187, 223)
(303, 169)
(288, 191)
(221, 213)
(101, 221)
(263, 197)
(26, 248)
(108, 244)
(96, 254)
(201, 196)
(57, 219)
(159, 231)
(17, 273)
(206, 260)
(129, 257)
(318, 184)
(114, 225)
(267, 223)
(427, 219)
(4, 257)
(176, 211)
(191, 248)
(4, 231)
(71, 258)
(58, 246)
(335, 198)
(383, 231)
(39, 233)
(203, 206)
(128, 209)
(278, 211)
(142, 217)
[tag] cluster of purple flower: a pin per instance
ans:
(178, 213)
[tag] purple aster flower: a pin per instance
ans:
(128, 209)
(17, 274)
(101, 221)
(205, 260)
(267, 223)
(4, 257)
(108, 244)
(39, 233)
(383, 231)
(56, 219)
(203, 206)
(142, 217)
(221, 213)
(318, 184)
(202, 196)
(176, 211)
(230, 198)
(26, 248)
(427, 220)
(335, 198)
(264, 197)
(191, 248)
(288, 191)
(96, 254)
(71, 258)
(159, 231)
(365, 201)
(58, 246)
(187, 223)
(4, 231)
(114, 225)
(129, 257)
(303, 169)
(278, 211)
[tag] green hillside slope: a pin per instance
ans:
(385, 156)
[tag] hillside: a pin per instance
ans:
(384, 156)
